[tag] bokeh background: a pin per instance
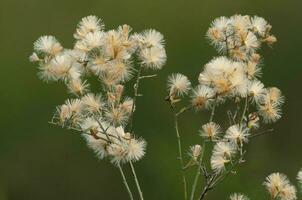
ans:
(40, 161)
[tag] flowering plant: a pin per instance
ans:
(230, 82)
(104, 118)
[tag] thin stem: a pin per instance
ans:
(148, 76)
(135, 87)
(261, 133)
(136, 181)
(207, 187)
(125, 182)
(244, 109)
(198, 170)
(180, 155)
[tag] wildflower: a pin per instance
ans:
(237, 135)
(256, 90)
(127, 105)
(178, 84)
(92, 40)
(238, 196)
(253, 70)
(76, 86)
(260, 25)
(89, 24)
(135, 149)
(92, 103)
(154, 57)
(224, 75)
(270, 112)
(211, 131)
(151, 38)
(278, 185)
(48, 45)
(116, 116)
(201, 96)
(62, 68)
(224, 149)
(195, 152)
(218, 163)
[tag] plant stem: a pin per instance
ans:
(244, 109)
(125, 182)
(202, 155)
(135, 87)
(180, 155)
(136, 181)
(198, 170)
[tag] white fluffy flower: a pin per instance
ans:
(92, 103)
(256, 90)
(178, 84)
(218, 163)
(135, 149)
(251, 41)
(237, 135)
(154, 57)
(201, 96)
(151, 38)
(260, 25)
(77, 86)
(87, 25)
(195, 151)
(48, 44)
(225, 76)
(224, 149)
(211, 131)
(278, 185)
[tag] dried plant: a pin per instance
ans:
(104, 118)
(229, 82)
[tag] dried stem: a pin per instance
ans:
(136, 181)
(125, 182)
(135, 87)
(198, 170)
(180, 157)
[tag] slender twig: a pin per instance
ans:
(202, 154)
(244, 110)
(198, 170)
(148, 76)
(125, 182)
(136, 181)
(135, 88)
(180, 155)
(261, 133)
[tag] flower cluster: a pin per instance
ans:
(278, 186)
(231, 79)
(114, 57)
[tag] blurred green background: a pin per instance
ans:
(40, 161)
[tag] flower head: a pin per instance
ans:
(211, 131)
(178, 84)
(48, 44)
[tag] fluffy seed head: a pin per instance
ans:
(48, 44)
(178, 84)
(211, 131)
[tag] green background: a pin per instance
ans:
(39, 161)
